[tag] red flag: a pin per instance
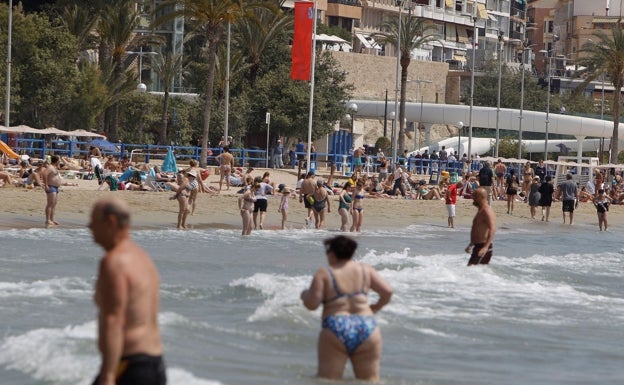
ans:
(302, 41)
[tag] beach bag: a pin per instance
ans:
(310, 199)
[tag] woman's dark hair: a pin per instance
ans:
(343, 247)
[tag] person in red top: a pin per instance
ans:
(451, 199)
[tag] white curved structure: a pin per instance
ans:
(485, 117)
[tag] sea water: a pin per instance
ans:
(548, 309)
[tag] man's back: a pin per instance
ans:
(485, 176)
(568, 190)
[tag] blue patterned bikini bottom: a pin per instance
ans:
(350, 329)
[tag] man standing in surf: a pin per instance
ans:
(126, 294)
(483, 230)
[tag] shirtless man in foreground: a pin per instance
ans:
(226, 160)
(126, 294)
(51, 182)
(483, 229)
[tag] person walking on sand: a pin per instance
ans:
(602, 202)
(569, 194)
(500, 170)
(534, 196)
(483, 229)
(226, 162)
(51, 183)
(349, 329)
(486, 177)
(127, 298)
(305, 192)
(261, 203)
(283, 206)
(246, 207)
(451, 200)
(546, 191)
(511, 189)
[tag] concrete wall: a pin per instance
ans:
(372, 75)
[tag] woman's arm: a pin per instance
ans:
(381, 287)
(313, 296)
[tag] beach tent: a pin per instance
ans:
(169, 164)
(21, 129)
(54, 131)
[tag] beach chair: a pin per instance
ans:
(152, 183)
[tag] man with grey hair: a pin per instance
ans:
(127, 298)
(568, 193)
(486, 178)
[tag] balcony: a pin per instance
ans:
(352, 3)
(351, 9)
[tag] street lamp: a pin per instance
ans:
(475, 34)
(460, 126)
(353, 108)
(141, 87)
(419, 82)
(498, 100)
(392, 116)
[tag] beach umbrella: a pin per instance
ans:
(169, 164)
(103, 144)
(21, 129)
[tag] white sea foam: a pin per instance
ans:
(68, 355)
(53, 288)
(281, 293)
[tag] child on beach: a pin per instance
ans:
(451, 199)
(601, 202)
(283, 206)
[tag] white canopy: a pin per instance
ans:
(53, 131)
(85, 134)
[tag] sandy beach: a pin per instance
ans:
(23, 208)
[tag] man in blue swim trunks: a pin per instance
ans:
(126, 294)
(51, 182)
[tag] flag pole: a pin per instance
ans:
(312, 88)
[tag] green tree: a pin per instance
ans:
(606, 55)
(413, 34)
(208, 18)
(167, 65)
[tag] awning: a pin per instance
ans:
(449, 3)
(482, 12)
(451, 32)
(605, 20)
(21, 129)
(459, 58)
(330, 38)
(367, 41)
(53, 131)
(85, 134)
(462, 34)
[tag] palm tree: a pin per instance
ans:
(607, 56)
(208, 18)
(167, 65)
(256, 31)
(414, 34)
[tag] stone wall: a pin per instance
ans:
(373, 75)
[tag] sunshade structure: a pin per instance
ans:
(53, 131)
(21, 129)
(103, 144)
(169, 164)
(85, 134)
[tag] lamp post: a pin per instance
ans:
(550, 57)
(525, 47)
(353, 108)
(392, 116)
(460, 126)
(419, 95)
(498, 100)
(141, 87)
(7, 108)
(396, 84)
(475, 34)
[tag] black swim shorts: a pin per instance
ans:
(476, 260)
(567, 206)
(306, 202)
(260, 205)
(140, 369)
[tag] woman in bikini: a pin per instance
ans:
(344, 205)
(184, 195)
(357, 209)
(246, 207)
(320, 203)
(226, 161)
(349, 330)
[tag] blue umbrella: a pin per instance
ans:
(169, 164)
(103, 144)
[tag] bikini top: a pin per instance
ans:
(359, 196)
(339, 293)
